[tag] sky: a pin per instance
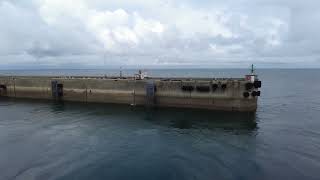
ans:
(159, 33)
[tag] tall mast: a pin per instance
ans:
(252, 69)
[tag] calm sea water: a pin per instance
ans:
(47, 140)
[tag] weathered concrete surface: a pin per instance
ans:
(130, 91)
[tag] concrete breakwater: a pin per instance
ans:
(233, 94)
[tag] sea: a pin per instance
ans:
(75, 141)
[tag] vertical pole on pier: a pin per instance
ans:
(14, 87)
(134, 92)
(86, 94)
(252, 69)
(120, 72)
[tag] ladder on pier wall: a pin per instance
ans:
(57, 90)
(150, 93)
(3, 90)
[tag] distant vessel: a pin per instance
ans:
(229, 94)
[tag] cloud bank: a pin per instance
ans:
(93, 33)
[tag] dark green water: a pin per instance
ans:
(46, 140)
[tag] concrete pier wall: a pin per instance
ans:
(228, 95)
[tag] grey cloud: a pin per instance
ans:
(265, 31)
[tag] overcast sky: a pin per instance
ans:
(159, 33)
